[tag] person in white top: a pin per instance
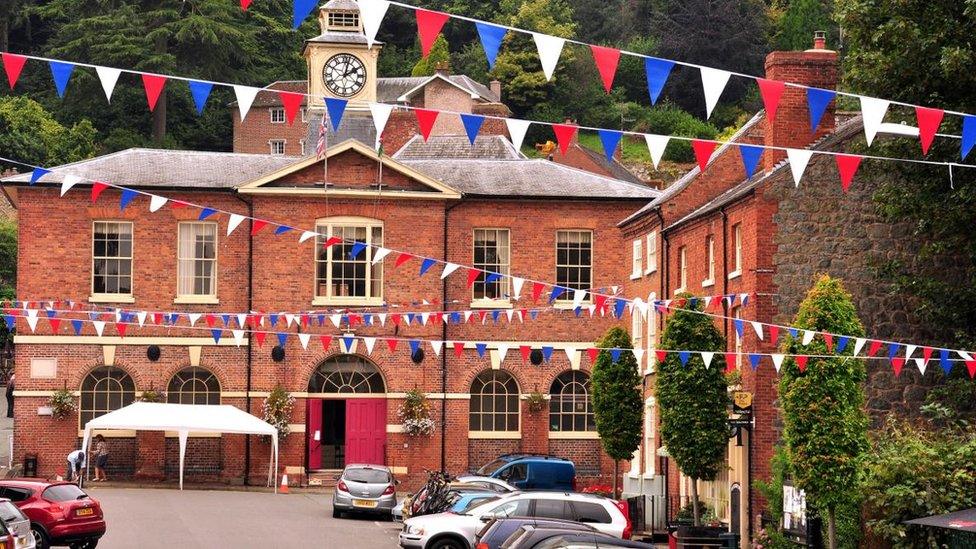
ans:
(76, 462)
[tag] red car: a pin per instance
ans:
(60, 512)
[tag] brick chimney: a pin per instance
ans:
(816, 67)
(496, 88)
(442, 68)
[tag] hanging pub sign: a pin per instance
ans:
(742, 402)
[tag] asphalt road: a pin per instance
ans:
(165, 518)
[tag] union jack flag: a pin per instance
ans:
(322, 142)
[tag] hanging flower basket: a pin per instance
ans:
(415, 415)
(62, 404)
(152, 395)
(537, 401)
(277, 410)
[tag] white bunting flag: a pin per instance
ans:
(656, 145)
(245, 97)
(108, 77)
(591, 309)
(858, 345)
(382, 318)
(238, 337)
(305, 236)
(777, 361)
(922, 364)
(467, 316)
(639, 355)
(380, 254)
(707, 357)
(808, 336)
(289, 319)
(508, 315)
(578, 297)
(873, 111)
(241, 319)
(549, 49)
(614, 289)
(437, 346)
(194, 317)
(156, 202)
(574, 357)
(369, 342)
(118, 315)
(424, 317)
(759, 330)
(233, 223)
(99, 327)
(141, 315)
(799, 158)
(68, 182)
(32, 320)
(502, 351)
(372, 12)
(381, 115)
(909, 349)
(713, 84)
(708, 301)
(517, 287)
(516, 130)
(964, 355)
(336, 320)
(448, 269)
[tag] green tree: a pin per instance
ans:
(439, 56)
(30, 134)
(795, 21)
(923, 53)
(617, 402)
(8, 259)
(825, 426)
(693, 398)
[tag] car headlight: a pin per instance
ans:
(415, 530)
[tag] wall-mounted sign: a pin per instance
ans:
(794, 508)
(741, 402)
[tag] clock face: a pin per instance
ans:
(344, 75)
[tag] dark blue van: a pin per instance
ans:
(533, 472)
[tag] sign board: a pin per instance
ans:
(741, 402)
(794, 508)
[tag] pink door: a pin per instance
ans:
(314, 426)
(366, 431)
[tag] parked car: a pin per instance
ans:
(60, 513)
(458, 530)
(7, 539)
(16, 525)
(529, 537)
(497, 530)
(491, 483)
(532, 471)
(364, 489)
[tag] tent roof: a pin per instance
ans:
(964, 521)
(152, 416)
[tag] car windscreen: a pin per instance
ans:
(63, 492)
(491, 467)
(367, 476)
(10, 513)
(476, 501)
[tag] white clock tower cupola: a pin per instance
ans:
(339, 62)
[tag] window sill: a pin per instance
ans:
(679, 291)
(735, 274)
(635, 276)
(573, 435)
(111, 298)
(708, 283)
(568, 305)
(491, 304)
(196, 300)
(495, 435)
(652, 270)
(362, 301)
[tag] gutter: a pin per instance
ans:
(250, 347)
(447, 210)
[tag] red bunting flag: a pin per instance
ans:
(177, 204)
(402, 258)
(874, 347)
(829, 340)
(292, 102)
(593, 353)
(153, 84)
(332, 241)
(97, 188)
(926, 353)
(928, 123)
(703, 151)
(606, 62)
(210, 319)
(425, 119)
(472, 276)
(257, 225)
(896, 364)
(771, 91)
(971, 366)
(600, 301)
(326, 341)
(429, 25)
(55, 324)
(391, 344)
(730, 361)
(564, 135)
(847, 164)
(259, 336)
(245, 4)
(305, 319)
(801, 362)
(525, 350)
(458, 348)
(395, 318)
(729, 366)
(773, 334)
(661, 355)
(353, 320)
(157, 318)
(537, 288)
(120, 328)
(13, 64)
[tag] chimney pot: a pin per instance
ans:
(443, 68)
(819, 40)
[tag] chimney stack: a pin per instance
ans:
(815, 68)
(442, 68)
(496, 88)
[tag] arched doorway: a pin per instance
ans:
(346, 415)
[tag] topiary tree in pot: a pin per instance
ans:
(825, 426)
(693, 398)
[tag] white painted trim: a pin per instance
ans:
(494, 435)
(394, 428)
(110, 433)
(196, 300)
(319, 192)
(735, 274)
(18, 393)
(708, 283)
(573, 435)
(129, 340)
(346, 301)
(111, 298)
(296, 427)
(233, 394)
(491, 304)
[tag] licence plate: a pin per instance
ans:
(85, 512)
(364, 503)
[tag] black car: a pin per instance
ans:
(497, 530)
(530, 537)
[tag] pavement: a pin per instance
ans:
(6, 430)
(167, 518)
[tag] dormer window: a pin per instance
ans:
(343, 21)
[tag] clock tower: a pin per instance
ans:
(339, 62)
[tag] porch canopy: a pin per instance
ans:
(185, 419)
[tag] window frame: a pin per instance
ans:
(651, 253)
(192, 371)
(637, 260)
(650, 355)
(565, 300)
(273, 142)
(556, 400)
(509, 398)
(326, 226)
(210, 298)
(650, 432)
(736, 250)
(709, 261)
(277, 111)
(334, 20)
(505, 269)
(119, 297)
(128, 395)
(682, 270)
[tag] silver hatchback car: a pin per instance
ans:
(364, 489)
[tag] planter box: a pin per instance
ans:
(700, 537)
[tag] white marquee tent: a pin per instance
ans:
(185, 419)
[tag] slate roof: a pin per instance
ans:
(486, 147)
(360, 128)
(167, 169)
(334, 37)
(616, 169)
(340, 5)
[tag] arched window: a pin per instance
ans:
(494, 402)
(570, 408)
(105, 389)
(347, 374)
(193, 386)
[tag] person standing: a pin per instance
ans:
(101, 458)
(76, 462)
(10, 396)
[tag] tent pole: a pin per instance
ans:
(84, 448)
(276, 463)
(183, 436)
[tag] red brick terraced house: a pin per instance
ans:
(719, 232)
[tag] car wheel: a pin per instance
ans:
(336, 513)
(448, 543)
(40, 537)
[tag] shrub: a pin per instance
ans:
(667, 119)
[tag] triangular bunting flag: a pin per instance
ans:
(245, 97)
(336, 108)
(200, 92)
(873, 111)
(429, 25)
(537, 288)
(13, 64)
(799, 158)
(751, 155)
(233, 222)
(808, 336)
(758, 328)
(713, 84)
(61, 72)
(606, 60)
(703, 151)
(69, 181)
(156, 202)
(858, 345)
(108, 77)
(257, 225)
(292, 102)
(549, 48)
(128, 195)
(731, 361)
(238, 337)
(801, 362)
(371, 12)
(99, 326)
(610, 140)
(472, 125)
(564, 135)
(928, 124)
(707, 357)
(379, 254)
(473, 275)
(683, 356)
(874, 347)
(381, 115)
(304, 338)
(491, 40)
(425, 119)
(771, 92)
(656, 145)
(754, 361)
(37, 174)
(657, 71)
(153, 84)
(817, 101)
(516, 131)
(968, 135)
(847, 166)
(300, 10)
(517, 284)
(777, 361)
